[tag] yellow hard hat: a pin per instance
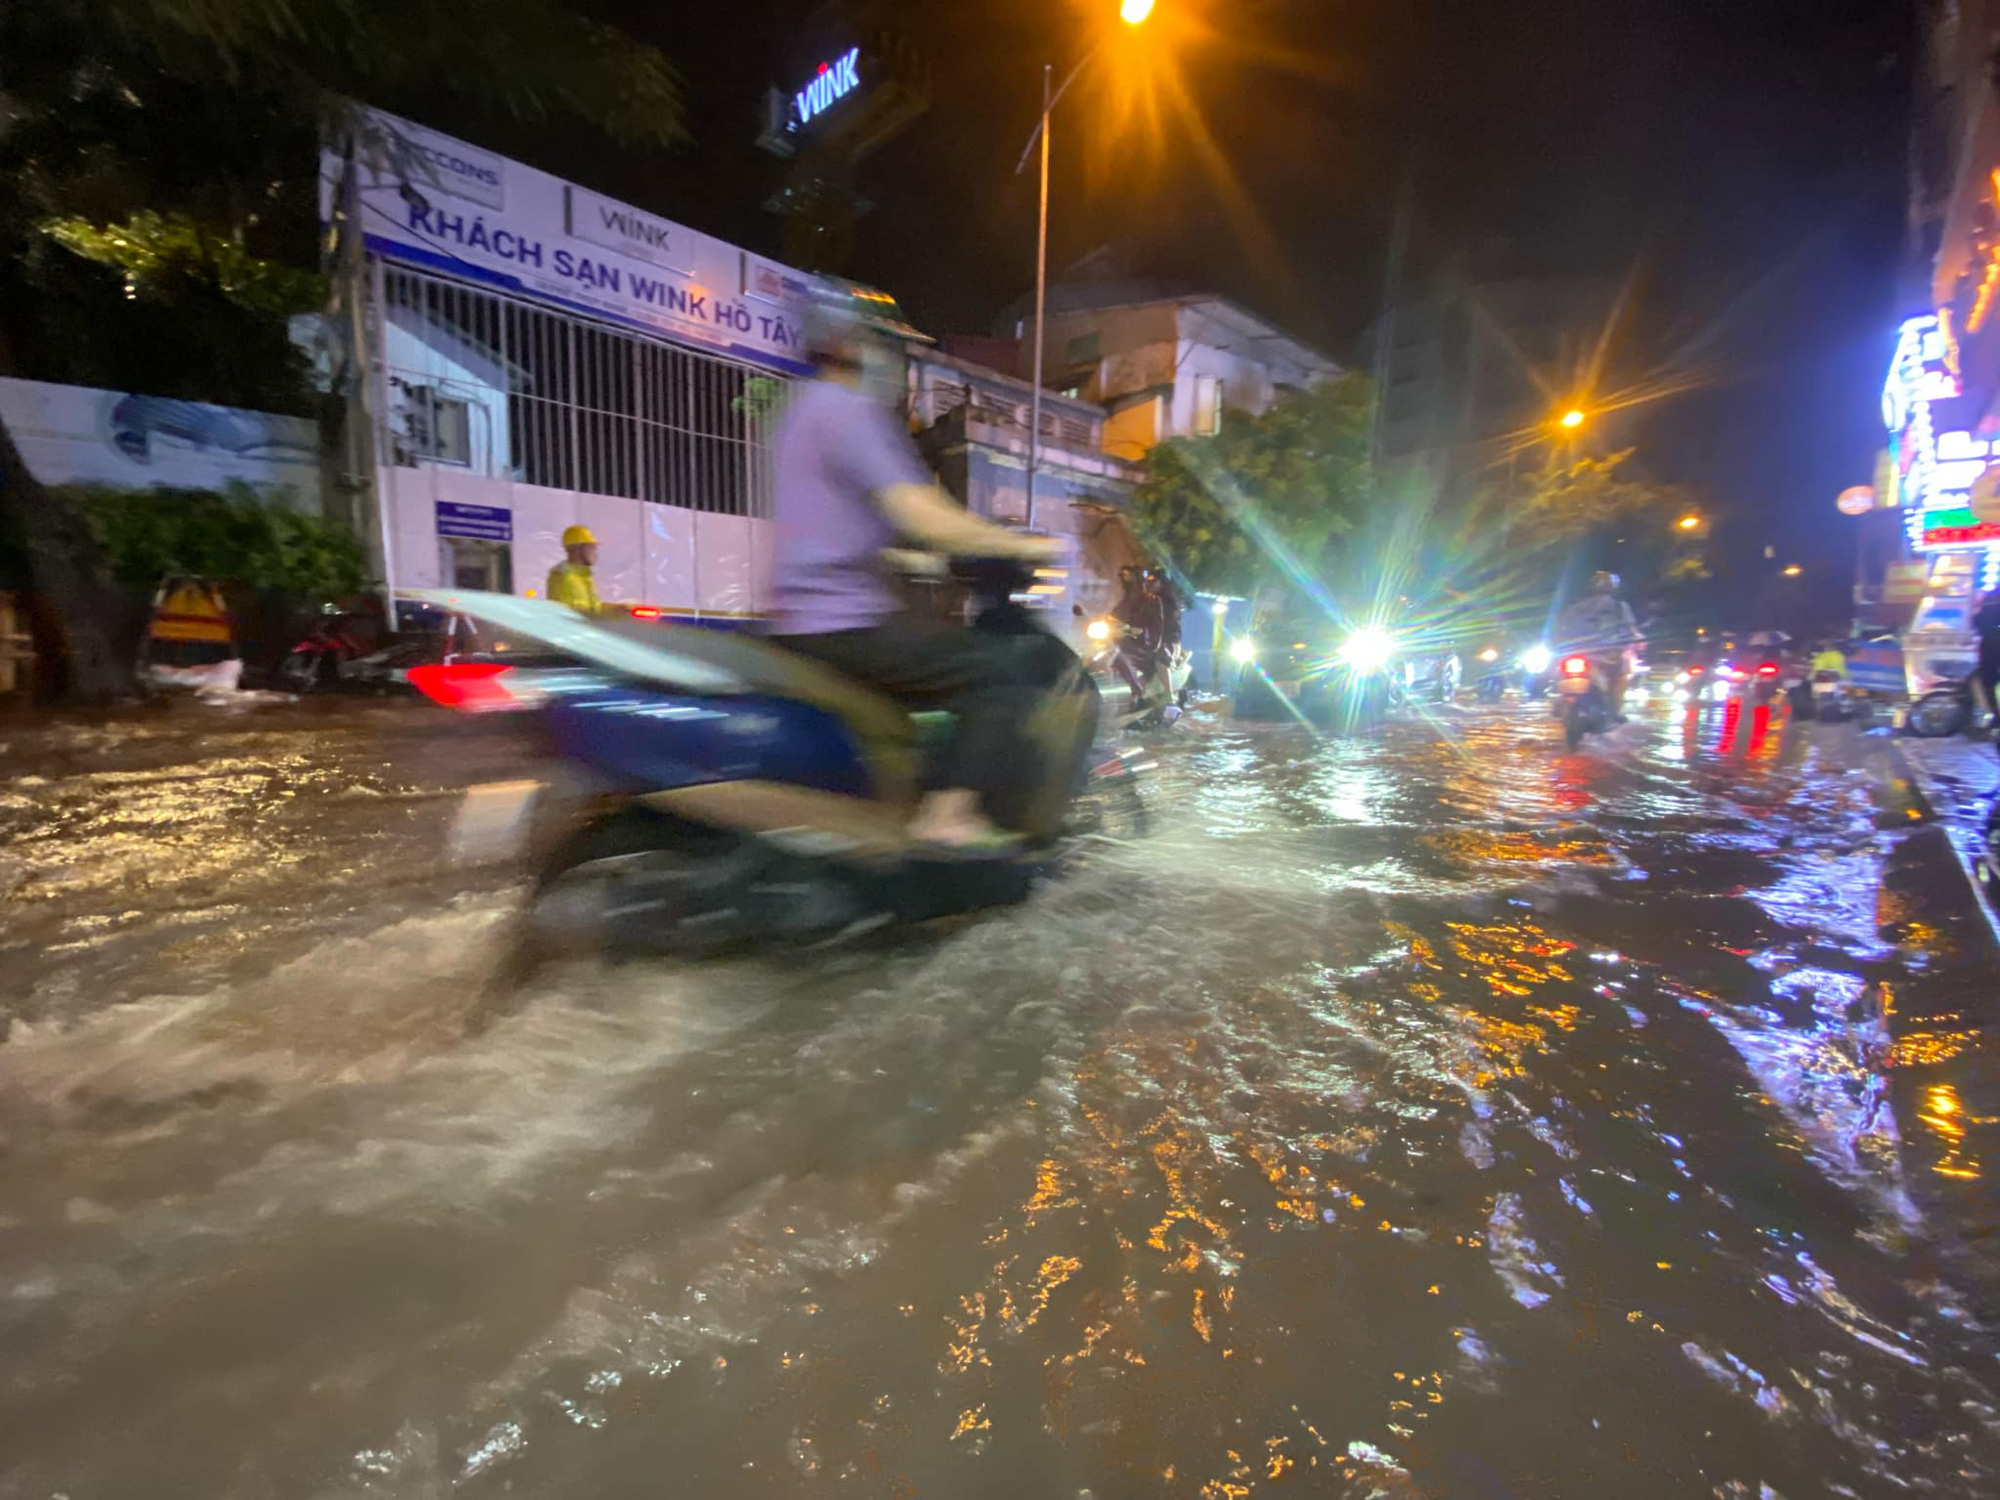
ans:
(579, 536)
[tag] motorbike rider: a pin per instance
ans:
(1159, 586)
(849, 484)
(1602, 624)
(1138, 609)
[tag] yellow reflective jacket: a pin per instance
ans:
(1830, 661)
(570, 583)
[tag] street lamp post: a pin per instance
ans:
(1041, 294)
(1132, 12)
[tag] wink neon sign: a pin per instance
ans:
(833, 82)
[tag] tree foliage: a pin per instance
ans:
(231, 535)
(1570, 498)
(159, 161)
(1586, 509)
(158, 187)
(1266, 496)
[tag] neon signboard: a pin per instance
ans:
(1956, 526)
(834, 81)
(1935, 470)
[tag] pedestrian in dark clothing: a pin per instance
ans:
(1986, 621)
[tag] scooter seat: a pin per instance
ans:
(883, 728)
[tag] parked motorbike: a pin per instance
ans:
(746, 792)
(1583, 685)
(336, 640)
(1946, 711)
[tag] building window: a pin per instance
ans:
(1207, 405)
(440, 426)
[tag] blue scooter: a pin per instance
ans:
(745, 793)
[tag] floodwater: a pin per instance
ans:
(1432, 1114)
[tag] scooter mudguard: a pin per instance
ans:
(647, 738)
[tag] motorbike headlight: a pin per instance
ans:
(1535, 660)
(1368, 649)
(1243, 649)
(1098, 630)
(1489, 654)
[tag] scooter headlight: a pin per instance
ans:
(1098, 630)
(1368, 649)
(1243, 649)
(1535, 660)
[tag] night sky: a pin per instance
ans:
(1739, 162)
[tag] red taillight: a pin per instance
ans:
(1575, 666)
(645, 612)
(1694, 671)
(1768, 669)
(471, 687)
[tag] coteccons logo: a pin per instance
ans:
(462, 171)
(833, 82)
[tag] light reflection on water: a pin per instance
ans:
(1407, 1118)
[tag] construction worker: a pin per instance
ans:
(569, 580)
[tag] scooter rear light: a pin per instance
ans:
(471, 687)
(1575, 666)
(1768, 669)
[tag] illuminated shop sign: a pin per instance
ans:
(834, 81)
(1956, 526)
(1935, 470)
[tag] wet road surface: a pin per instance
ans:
(1436, 1114)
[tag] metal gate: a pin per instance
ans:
(511, 390)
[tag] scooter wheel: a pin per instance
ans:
(640, 882)
(1111, 806)
(302, 671)
(1937, 716)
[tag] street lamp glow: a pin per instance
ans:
(1688, 523)
(1572, 419)
(1793, 571)
(1132, 12)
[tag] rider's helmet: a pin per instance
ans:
(845, 322)
(1603, 581)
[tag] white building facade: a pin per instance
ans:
(1166, 366)
(534, 356)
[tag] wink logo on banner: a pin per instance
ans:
(834, 82)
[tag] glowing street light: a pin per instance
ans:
(1131, 12)
(1571, 419)
(1793, 570)
(1688, 523)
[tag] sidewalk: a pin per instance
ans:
(1957, 780)
(1944, 1056)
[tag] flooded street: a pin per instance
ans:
(1433, 1114)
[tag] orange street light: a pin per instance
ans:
(1793, 570)
(1132, 12)
(1572, 419)
(1688, 523)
